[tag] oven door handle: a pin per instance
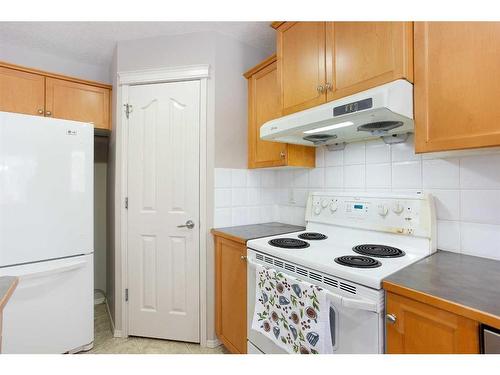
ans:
(360, 304)
(352, 303)
(338, 300)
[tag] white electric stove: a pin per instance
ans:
(351, 243)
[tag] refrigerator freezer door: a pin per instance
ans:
(51, 310)
(46, 188)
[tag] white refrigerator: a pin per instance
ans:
(46, 233)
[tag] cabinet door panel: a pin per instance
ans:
(231, 295)
(77, 101)
(457, 72)
(264, 105)
(423, 329)
(362, 55)
(22, 92)
(301, 64)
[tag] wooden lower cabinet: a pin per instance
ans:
(231, 294)
(420, 328)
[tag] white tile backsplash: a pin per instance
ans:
(378, 152)
(441, 173)
(465, 185)
(480, 172)
(245, 197)
(354, 153)
(354, 176)
(407, 175)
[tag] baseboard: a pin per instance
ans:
(116, 332)
(213, 343)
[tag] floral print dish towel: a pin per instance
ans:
(292, 313)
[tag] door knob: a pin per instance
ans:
(391, 318)
(189, 225)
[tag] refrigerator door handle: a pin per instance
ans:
(52, 271)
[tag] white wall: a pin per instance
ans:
(233, 58)
(34, 58)
(465, 184)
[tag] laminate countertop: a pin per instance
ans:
(245, 233)
(463, 284)
(7, 286)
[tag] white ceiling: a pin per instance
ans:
(93, 42)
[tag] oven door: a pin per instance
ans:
(354, 325)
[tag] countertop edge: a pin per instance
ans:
(220, 232)
(227, 236)
(444, 304)
(10, 290)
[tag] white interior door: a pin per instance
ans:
(163, 193)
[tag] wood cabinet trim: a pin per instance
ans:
(277, 24)
(249, 73)
(217, 233)
(55, 75)
(453, 307)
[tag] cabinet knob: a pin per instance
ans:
(48, 113)
(320, 89)
(329, 86)
(282, 155)
(40, 111)
(390, 318)
(243, 257)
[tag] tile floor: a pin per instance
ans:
(105, 343)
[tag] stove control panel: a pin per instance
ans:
(407, 215)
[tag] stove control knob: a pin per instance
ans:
(324, 203)
(383, 210)
(317, 210)
(333, 206)
(397, 208)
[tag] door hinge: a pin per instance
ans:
(126, 295)
(126, 203)
(128, 109)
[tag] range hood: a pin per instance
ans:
(384, 111)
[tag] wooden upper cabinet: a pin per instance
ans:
(457, 75)
(420, 328)
(79, 102)
(301, 65)
(362, 55)
(22, 92)
(231, 294)
(264, 104)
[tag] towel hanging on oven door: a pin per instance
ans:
(294, 314)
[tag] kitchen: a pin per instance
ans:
(327, 187)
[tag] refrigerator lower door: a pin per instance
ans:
(51, 311)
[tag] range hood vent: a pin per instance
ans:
(385, 111)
